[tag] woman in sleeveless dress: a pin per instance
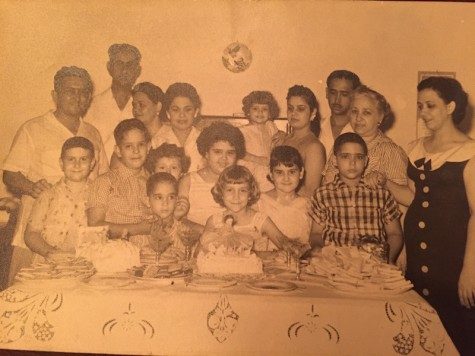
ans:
(439, 225)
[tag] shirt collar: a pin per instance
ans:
(125, 172)
(338, 183)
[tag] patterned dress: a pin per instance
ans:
(436, 233)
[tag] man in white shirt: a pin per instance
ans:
(340, 84)
(115, 103)
(32, 165)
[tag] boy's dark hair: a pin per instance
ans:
(448, 89)
(127, 125)
(236, 174)
(344, 74)
(346, 138)
(167, 150)
(153, 92)
(77, 141)
(161, 177)
(221, 131)
(261, 97)
(286, 155)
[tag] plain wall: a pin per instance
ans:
(292, 42)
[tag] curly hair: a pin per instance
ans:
(221, 131)
(153, 92)
(127, 125)
(181, 89)
(448, 89)
(261, 97)
(72, 71)
(167, 150)
(383, 105)
(344, 74)
(161, 177)
(236, 174)
(117, 48)
(311, 100)
(286, 155)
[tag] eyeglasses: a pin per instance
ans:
(350, 156)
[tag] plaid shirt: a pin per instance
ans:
(348, 214)
(122, 193)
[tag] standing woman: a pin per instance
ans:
(302, 114)
(439, 225)
(368, 111)
(182, 105)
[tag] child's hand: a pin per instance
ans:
(9, 204)
(181, 208)
(278, 138)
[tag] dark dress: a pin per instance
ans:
(435, 230)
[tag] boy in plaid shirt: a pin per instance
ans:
(347, 209)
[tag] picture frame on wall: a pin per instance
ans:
(421, 129)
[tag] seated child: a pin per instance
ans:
(347, 210)
(260, 108)
(236, 190)
(59, 211)
(170, 158)
(162, 192)
(286, 208)
(118, 198)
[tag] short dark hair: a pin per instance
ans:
(261, 97)
(286, 155)
(117, 48)
(344, 74)
(448, 89)
(127, 125)
(221, 131)
(72, 71)
(167, 150)
(77, 141)
(161, 177)
(236, 174)
(311, 100)
(349, 137)
(153, 92)
(181, 89)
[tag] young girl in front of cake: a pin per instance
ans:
(172, 159)
(167, 232)
(261, 108)
(283, 204)
(59, 212)
(240, 228)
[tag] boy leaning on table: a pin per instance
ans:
(347, 209)
(118, 198)
(59, 211)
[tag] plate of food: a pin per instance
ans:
(210, 283)
(272, 286)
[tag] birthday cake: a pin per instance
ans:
(233, 262)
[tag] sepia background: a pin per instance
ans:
(292, 42)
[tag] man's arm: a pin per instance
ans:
(19, 184)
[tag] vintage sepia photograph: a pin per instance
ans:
(237, 177)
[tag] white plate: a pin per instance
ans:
(270, 286)
(109, 282)
(210, 283)
(365, 292)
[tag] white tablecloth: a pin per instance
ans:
(149, 318)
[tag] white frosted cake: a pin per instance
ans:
(111, 256)
(222, 262)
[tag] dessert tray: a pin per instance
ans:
(272, 286)
(354, 271)
(68, 269)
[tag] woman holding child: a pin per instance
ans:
(440, 225)
(368, 110)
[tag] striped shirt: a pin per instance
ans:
(384, 156)
(349, 214)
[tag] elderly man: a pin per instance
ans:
(340, 84)
(115, 103)
(32, 164)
